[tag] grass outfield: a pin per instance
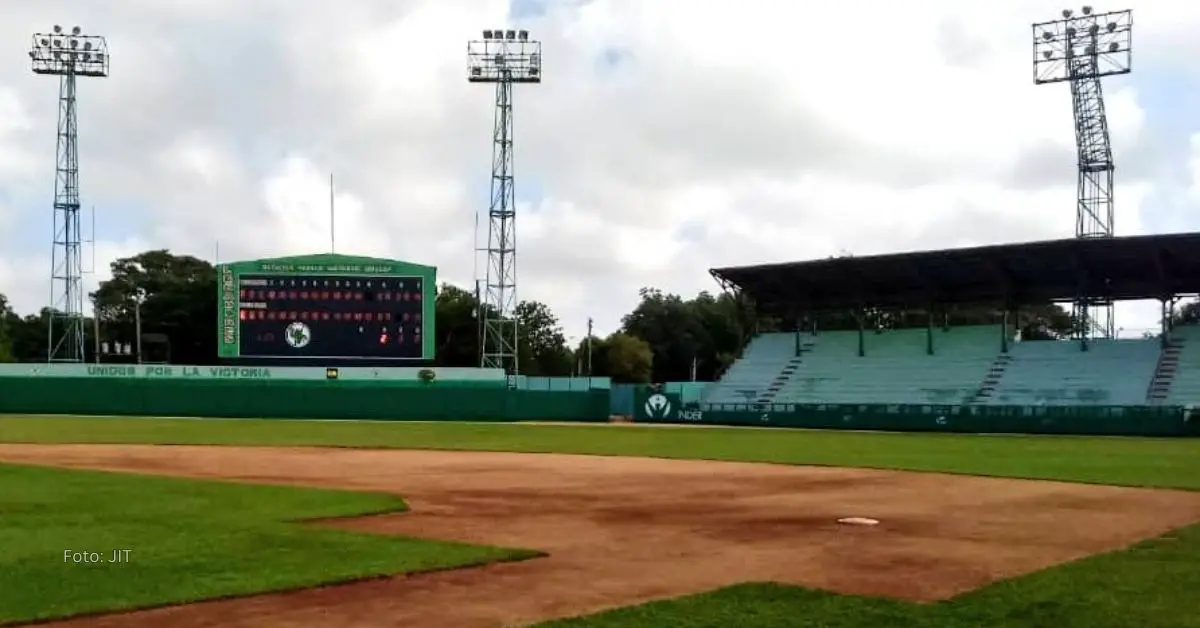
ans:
(1173, 463)
(1153, 585)
(188, 540)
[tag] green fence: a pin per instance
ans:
(1084, 420)
(292, 399)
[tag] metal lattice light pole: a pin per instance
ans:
(502, 57)
(67, 55)
(1080, 49)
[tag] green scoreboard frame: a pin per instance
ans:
(229, 291)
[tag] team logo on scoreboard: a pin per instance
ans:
(298, 335)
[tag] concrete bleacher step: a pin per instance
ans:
(777, 384)
(987, 388)
(1164, 373)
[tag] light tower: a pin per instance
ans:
(1081, 49)
(67, 55)
(503, 57)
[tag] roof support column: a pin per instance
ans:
(1165, 320)
(794, 320)
(1004, 329)
(1083, 320)
(929, 329)
(862, 342)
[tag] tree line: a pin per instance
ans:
(666, 337)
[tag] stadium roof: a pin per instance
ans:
(1126, 268)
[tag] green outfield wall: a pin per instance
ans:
(459, 377)
(295, 399)
(667, 407)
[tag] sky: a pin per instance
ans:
(668, 137)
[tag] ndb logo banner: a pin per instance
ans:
(657, 406)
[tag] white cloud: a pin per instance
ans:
(14, 122)
(723, 137)
(1194, 165)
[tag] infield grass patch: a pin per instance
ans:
(1173, 463)
(188, 540)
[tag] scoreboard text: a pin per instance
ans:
(328, 316)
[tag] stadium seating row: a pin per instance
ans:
(966, 365)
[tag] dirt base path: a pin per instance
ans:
(621, 531)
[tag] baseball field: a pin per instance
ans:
(167, 522)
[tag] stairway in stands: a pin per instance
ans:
(988, 387)
(1164, 373)
(784, 376)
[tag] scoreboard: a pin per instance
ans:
(335, 316)
(329, 311)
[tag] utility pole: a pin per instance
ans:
(589, 347)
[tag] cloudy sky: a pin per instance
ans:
(670, 136)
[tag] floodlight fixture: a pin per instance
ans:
(503, 57)
(68, 56)
(506, 56)
(1084, 46)
(62, 56)
(1081, 49)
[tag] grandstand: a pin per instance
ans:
(983, 364)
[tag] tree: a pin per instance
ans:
(723, 318)
(542, 348)
(1188, 314)
(26, 336)
(180, 302)
(1045, 322)
(457, 327)
(590, 359)
(706, 332)
(628, 359)
(6, 323)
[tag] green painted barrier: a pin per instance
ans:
(442, 375)
(663, 407)
(291, 399)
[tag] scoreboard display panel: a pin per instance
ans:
(329, 311)
(330, 316)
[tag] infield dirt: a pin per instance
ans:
(621, 531)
